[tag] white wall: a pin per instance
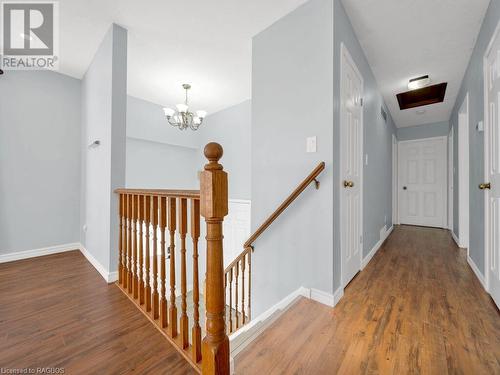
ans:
(39, 160)
(103, 167)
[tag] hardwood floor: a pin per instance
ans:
(417, 308)
(57, 311)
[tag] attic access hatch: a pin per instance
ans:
(424, 96)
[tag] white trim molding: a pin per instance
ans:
(11, 257)
(478, 273)
(109, 277)
(375, 248)
(455, 238)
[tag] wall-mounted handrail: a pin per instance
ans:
(283, 206)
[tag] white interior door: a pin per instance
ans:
(492, 168)
(351, 170)
(422, 182)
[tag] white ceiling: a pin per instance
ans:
(170, 42)
(403, 39)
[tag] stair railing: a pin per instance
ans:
(238, 274)
(147, 267)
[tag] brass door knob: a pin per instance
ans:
(348, 184)
(486, 185)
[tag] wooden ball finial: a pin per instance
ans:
(213, 152)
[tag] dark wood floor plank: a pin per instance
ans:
(57, 311)
(417, 308)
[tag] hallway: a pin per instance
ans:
(417, 308)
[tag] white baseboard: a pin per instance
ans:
(110, 277)
(478, 273)
(38, 252)
(375, 248)
(455, 238)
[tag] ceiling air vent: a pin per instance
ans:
(384, 114)
(420, 97)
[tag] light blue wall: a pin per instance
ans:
(157, 165)
(150, 135)
(377, 194)
(292, 96)
(146, 120)
(39, 160)
(231, 128)
(473, 84)
(436, 129)
(104, 108)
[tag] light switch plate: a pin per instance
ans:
(311, 144)
(480, 126)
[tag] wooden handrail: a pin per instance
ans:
(191, 194)
(238, 258)
(312, 177)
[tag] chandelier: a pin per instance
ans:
(182, 118)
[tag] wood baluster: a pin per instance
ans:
(173, 307)
(154, 221)
(214, 206)
(147, 219)
(120, 240)
(243, 290)
(182, 231)
(163, 224)
(195, 235)
(125, 242)
(130, 280)
(250, 285)
(231, 300)
(135, 212)
(141, 249)
(236, 278)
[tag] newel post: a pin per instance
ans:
(213, 207)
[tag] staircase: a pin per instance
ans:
(164, 288)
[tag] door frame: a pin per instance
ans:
(445, 185)
(344, 57)
(450, 178)
(486, 159)
(395, 198)
(463, 174)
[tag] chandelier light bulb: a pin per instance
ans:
(182, 108)
(182, 118)
(169, 112)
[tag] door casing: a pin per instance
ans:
(486, 159)
(344, 54)
(463, 174)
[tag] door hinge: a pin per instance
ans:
(361, 102)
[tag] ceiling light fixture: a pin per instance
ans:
(182, 118)
(419, 82)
